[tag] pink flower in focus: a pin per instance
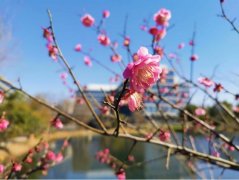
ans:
(87, 61)
(144, 71)
(115, 58)
(200, 111)
(106, 14)
(16, 167)
(78, 47)
(205, 81)
(1, 97)
(121, 175)
(135, 101)
(3, 124)
(103, 39)
(87, 20)
(59, 157)
(181, 46)
(194, 57)
(50, 155)
(162, 17)
(1, 168)
(164, 136)
(57, 123)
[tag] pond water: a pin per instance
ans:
(80, 161)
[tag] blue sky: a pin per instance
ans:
(216, 43)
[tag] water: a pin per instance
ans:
(80, 161)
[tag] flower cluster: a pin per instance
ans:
(142, 73)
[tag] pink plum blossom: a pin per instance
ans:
(104, 40)
(1, 97)
(78, 47)
(50, 155)
(57, 123)
(47, 34)
(59, 157)
(106, 14)
(162, 17)
(87, 61)
(126, 41)
(115, 58)
(194, 57)
(1, 168)
(200, 111)
(121, 175)
(205, 81)
(181, 46)
(135, 101)
(87, 20)
(164, 136)
(52, 51)
(63, 76)
(218, 87)
(3, 124)
(144, 71)
(16, 167)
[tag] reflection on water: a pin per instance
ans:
(80, 161)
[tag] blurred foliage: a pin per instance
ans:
(25, 116)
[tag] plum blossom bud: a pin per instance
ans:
(205, 81)
(3, 124)
(78, 47)
(1, 168)
(121, 174)
(200, 112)
(218, 87)
(104, 40)
(162, 17)
(153, 31)
(47, 34)
(63, 76)
(57, 123)
(216, 154)
(194, 57)
(126, 41)
(1, 96)
(87, 20)
(50, 155)
(115, 58)
(87, 61)
(106, 13)
(181, 46)
(16, 167)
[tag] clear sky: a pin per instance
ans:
(216, 43)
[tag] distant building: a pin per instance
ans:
(175, 92)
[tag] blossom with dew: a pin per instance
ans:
(135, 101)
(87, 61)
(181, 46)
(162, 17)
(16, 167)
(104, 40)
(106, 14)
(217, 87)
(87, 20)
(194, 57)
(1, 96)
(57, 123)
(205, 81)
(164, 136)
(115, 58)
(144, 71)
(3, 124)
(78, 47)
(200, 111)
(1, 168)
